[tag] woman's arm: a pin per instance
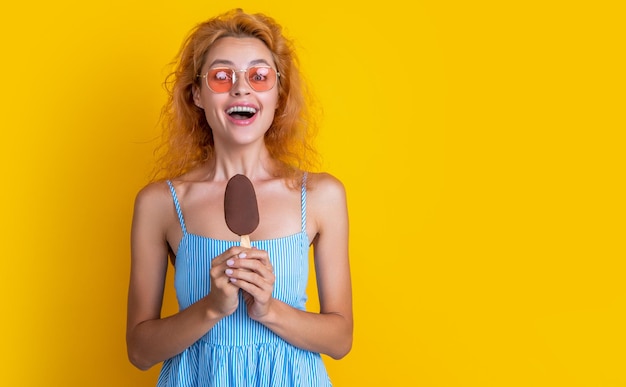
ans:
(330, 331)
(151, 339)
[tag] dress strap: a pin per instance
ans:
(177, 205)
(303, 201)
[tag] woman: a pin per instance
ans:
(236, 106)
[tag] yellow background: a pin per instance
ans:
(481, 144)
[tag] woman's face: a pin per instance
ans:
(237, 113)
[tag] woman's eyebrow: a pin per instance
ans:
(258, 61)
(226, 62)
(221, 62)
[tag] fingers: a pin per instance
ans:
(256, 261)
(219, 278)
(232, 252)
(253, 267)
(219, 264)
(251, 271)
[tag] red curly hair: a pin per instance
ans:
(188, 138)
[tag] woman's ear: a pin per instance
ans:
(195, 91)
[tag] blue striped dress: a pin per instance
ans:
(239, 351)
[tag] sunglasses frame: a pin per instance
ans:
(235, 78)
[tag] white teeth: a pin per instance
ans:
(241, 109)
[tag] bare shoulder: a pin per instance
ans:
(154, 207)
(326, 205)
(154, 217)
(324, 187)
(152, 195)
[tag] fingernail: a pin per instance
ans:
(230, 262)
(229, 272)
(233, 279)
(242, 255)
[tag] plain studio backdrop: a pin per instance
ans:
(481, 144)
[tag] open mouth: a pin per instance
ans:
(241, 112)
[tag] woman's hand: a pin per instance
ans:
(252, 272)
(223, 294)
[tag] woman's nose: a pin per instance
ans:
(240, 86)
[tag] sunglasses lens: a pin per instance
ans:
(220, 79)
(261, 78)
